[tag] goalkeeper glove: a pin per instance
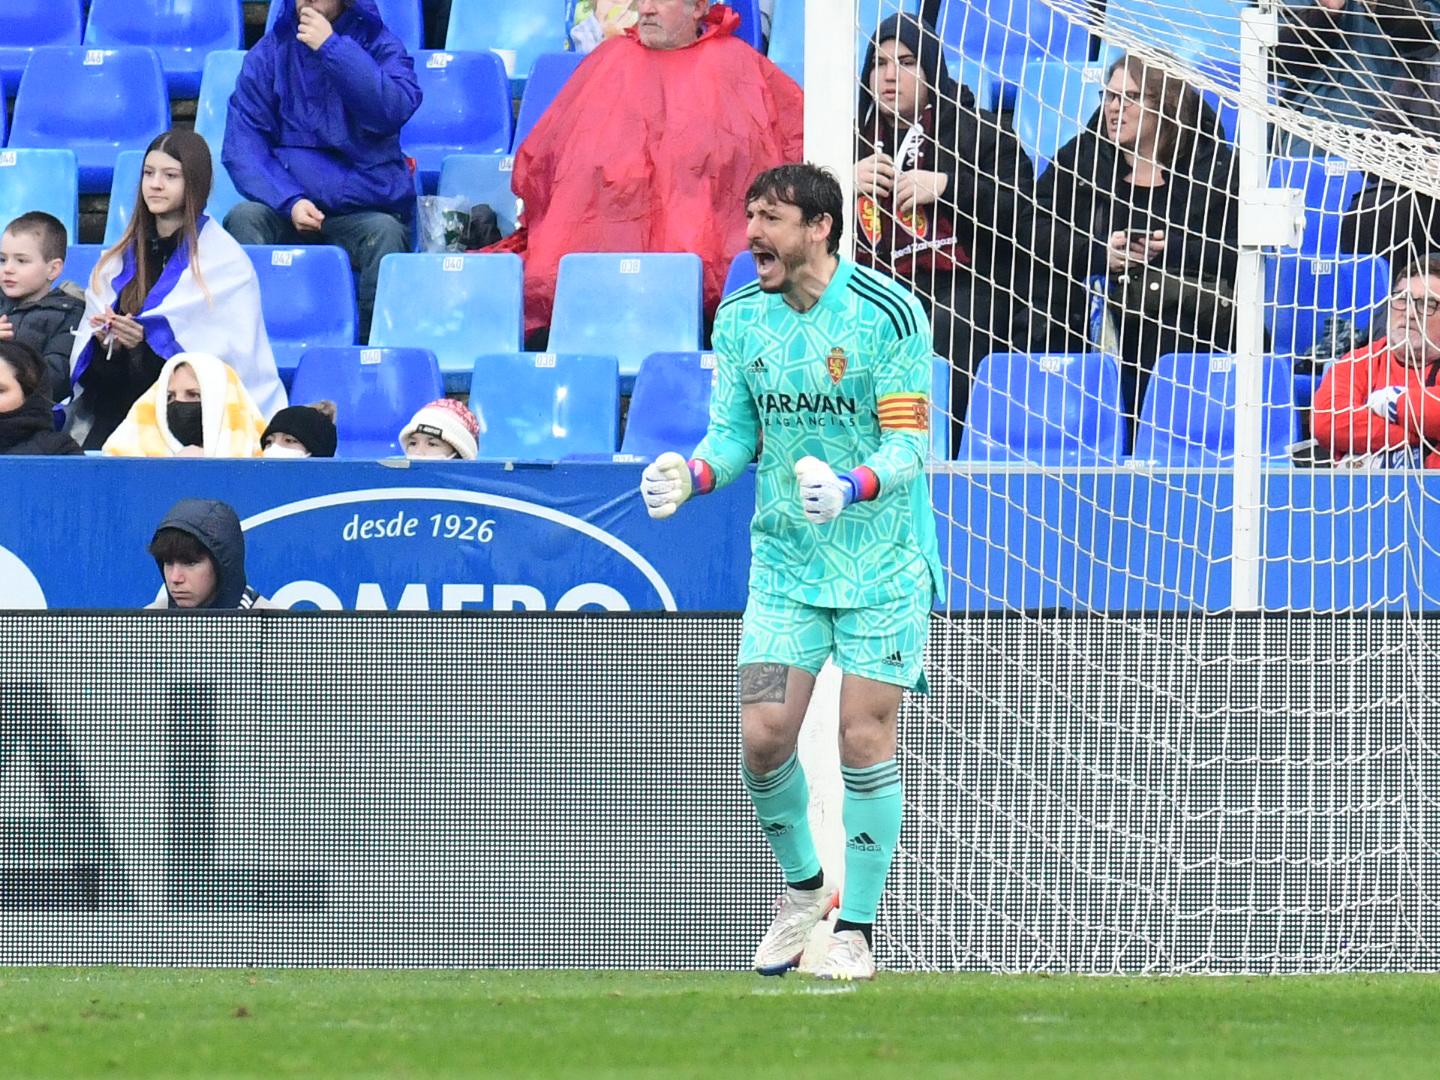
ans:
(823, 494)
(1385, 403)
(665, 484)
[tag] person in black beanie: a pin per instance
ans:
(301, 431)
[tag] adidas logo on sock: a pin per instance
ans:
(894, 659)
(775, 828)
(862, 842)
(757, 365)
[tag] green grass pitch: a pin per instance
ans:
(169, 1022)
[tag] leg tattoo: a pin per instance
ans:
(763, 684)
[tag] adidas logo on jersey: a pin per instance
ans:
(757, 366)
(894, 659)
(862, 842)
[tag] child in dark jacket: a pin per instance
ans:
(33, 311)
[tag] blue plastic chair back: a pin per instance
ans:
(1044, 409)
(376, 392)
(741, 272)
(524, 30)
(546, 406)
(457, 306)
(80, 260)
(940, 408)
(29, 23)
(182, 34)
(1005, 35)
(1329, 185)
(466, 110)
(308, 297)
(39, 180)
(1054, 103)
(550, 73)
(749, 12)
(211, 111)
(1188, 29)
(1302, 291)
(123, 188)
(403, 18)
(95, 102)
(483, 178)
(627, 306)
(670, 405)
(787, 35)
(1188, 415)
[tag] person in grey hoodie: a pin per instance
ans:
(200, 551)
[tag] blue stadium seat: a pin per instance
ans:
(1054, 103)
(466, 110)
(123, 189)
(550, 73)
(940, 408)
(546, 406)
(1005, 35)
(749, 12)
(308, 296)
(403, 18)
(457, 306)
(1188, 29)
(29, 23)
(787, 34)
(216, 85)
(376, 392)
(1044, 409)
(182, 34)
(670, 407)
(522, 30)
(1302, 291)
(80, 262)
(39, 180)
(741, 272)
(95, 102)
(1329, 185)
(1188, 415)
(627, 306)
(482, 178)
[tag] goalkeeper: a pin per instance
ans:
(824, 367)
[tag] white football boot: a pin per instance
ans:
(849, 958)
(797, 912)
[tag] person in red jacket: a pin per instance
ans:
(1379, 407)
(651, 146)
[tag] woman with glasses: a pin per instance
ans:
(1379, 407)
(1138, 212)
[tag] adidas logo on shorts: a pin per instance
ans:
(894, 659)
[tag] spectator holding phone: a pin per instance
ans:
(1143, 202)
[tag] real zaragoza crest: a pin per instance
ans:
(835, 364)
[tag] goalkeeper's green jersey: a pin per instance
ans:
(847, 382)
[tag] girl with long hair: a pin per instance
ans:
(174, 282)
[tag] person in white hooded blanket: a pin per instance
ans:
(198, 407)
(175, 282)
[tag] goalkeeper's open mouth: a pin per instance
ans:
(765, 260)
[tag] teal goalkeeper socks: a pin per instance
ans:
(782, 803)
(872, 828)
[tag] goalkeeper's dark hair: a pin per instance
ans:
(809, 188)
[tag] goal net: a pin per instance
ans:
(1184, 683)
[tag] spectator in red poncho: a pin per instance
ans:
(651, 146)
(1379, 407)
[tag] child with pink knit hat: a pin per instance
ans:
(443, 429)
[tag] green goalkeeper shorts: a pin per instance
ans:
(885, 642)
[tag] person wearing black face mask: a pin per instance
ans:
(26, 419)
(198, 407)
